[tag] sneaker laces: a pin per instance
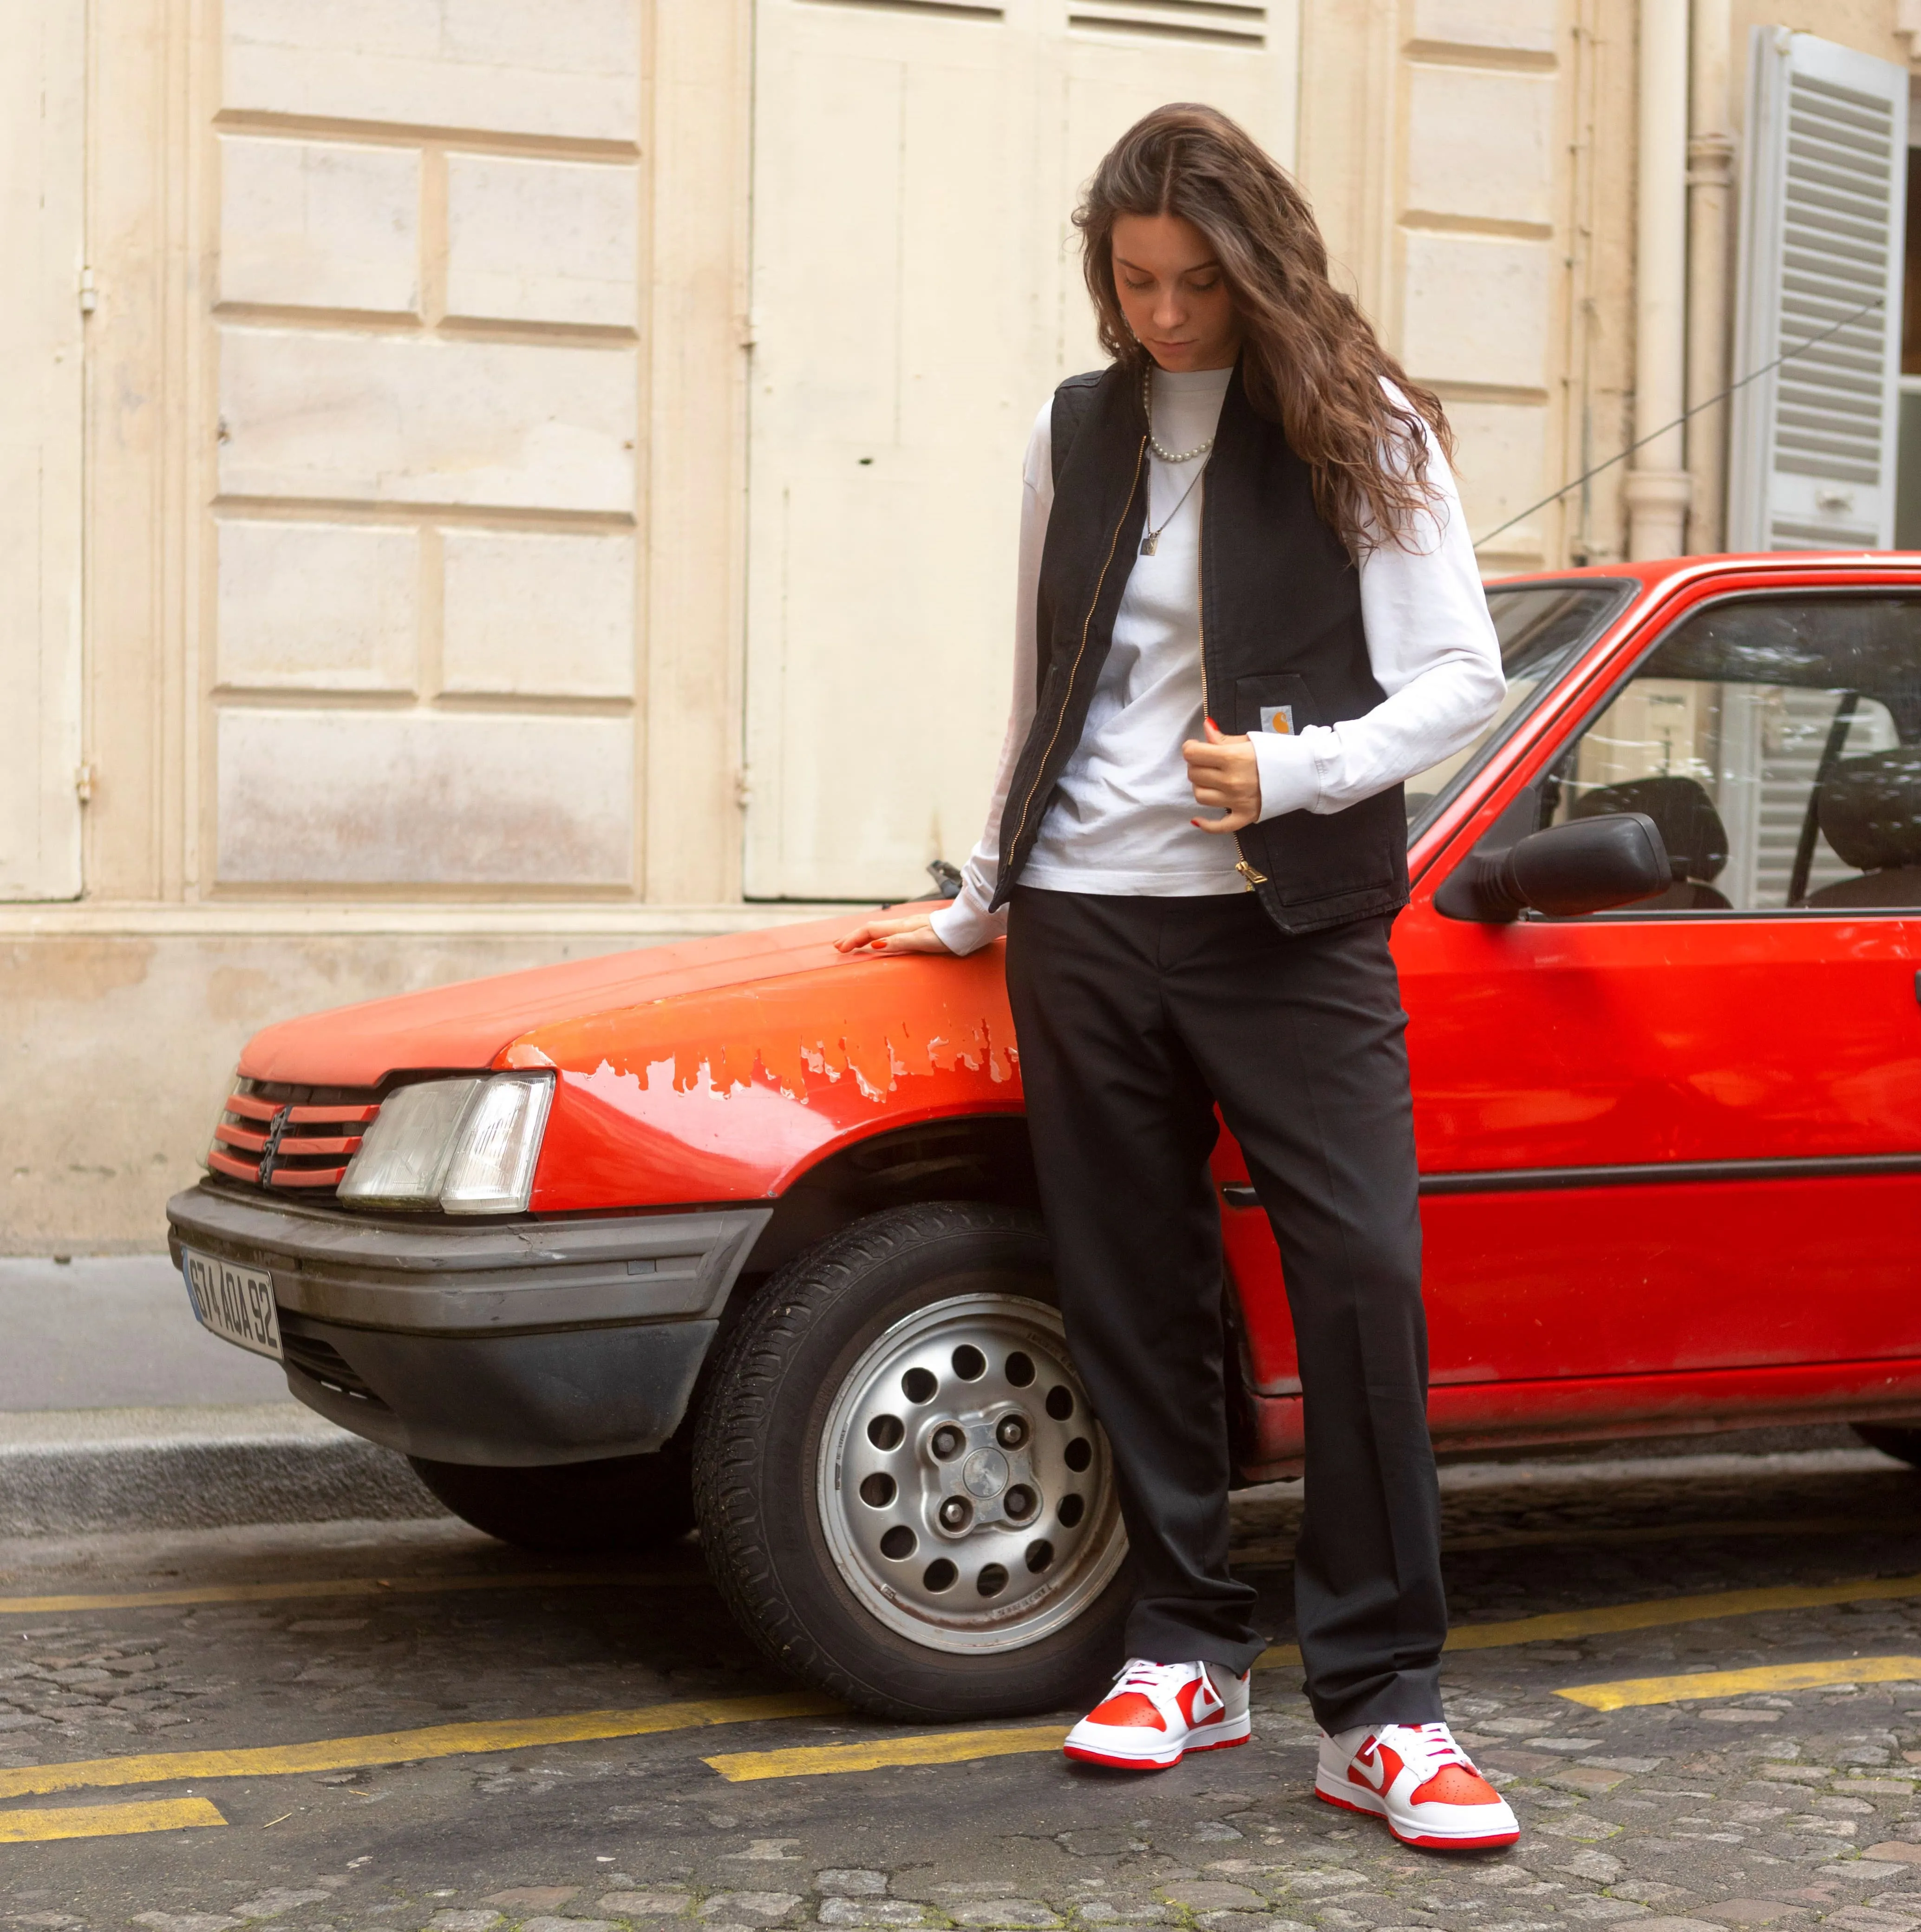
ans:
(1137, 1673)
(1437, 1745)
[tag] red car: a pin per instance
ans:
(744, 1232)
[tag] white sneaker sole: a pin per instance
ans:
(1470, 1838)
(1102, 1743)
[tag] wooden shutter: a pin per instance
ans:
(42, 153)
(1812, 461)
(916, 293)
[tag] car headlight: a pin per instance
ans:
(467, 1146)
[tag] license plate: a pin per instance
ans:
(237, 1303)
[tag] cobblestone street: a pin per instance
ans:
(577, 1749)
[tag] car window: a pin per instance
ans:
(1777, 744)
(1543, 629)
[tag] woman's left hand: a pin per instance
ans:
(1225, 775)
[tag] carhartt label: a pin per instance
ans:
(1278, 717)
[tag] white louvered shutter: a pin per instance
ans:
(1812, 461)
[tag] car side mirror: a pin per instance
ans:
(1586, 865)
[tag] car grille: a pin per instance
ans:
(275, 1136)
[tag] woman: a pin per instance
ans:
(1246, 586)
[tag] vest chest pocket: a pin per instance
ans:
(1279, 702)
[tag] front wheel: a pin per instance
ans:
(902, 1491)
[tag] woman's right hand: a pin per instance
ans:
(914, 934)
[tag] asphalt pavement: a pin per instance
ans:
(1697, 1678)
(116, 1331)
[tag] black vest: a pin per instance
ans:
(1280, 625)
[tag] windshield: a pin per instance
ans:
(1543, 629)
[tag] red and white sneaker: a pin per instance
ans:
(1420, 1780)
(1157, 1713)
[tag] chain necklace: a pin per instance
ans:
(1151, 540)
(1147, 410)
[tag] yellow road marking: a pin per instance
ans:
(339, 1586)
(1661, 1611)
(1278, 1551)
(106, 1821)
(1631, 1690)
(942, 1748)
(504, 1734)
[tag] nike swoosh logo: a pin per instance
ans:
(1368, 1769)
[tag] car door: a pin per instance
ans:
(1545, 627)
(1683, 1140)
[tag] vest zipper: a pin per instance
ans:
(1080, 650)
(1252, 877)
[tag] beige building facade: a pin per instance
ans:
(484, 482)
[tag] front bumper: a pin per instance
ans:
(522, 1343)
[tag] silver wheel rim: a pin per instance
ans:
(965, 1489)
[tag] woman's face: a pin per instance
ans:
(1173, 293)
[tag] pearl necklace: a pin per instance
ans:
(1153, 442)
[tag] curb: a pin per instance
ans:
(63, 1471)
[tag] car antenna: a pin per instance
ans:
(1654, 435)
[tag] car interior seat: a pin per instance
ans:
(1870, 812)
(1691, 828)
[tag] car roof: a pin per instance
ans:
(1758, 567)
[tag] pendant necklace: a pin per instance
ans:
(1150, 541)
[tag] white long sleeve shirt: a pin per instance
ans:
(1120, 820)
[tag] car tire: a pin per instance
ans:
(903, 1493)
(620, 1503)
(1891, 1439)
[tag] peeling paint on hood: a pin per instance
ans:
(731, 1091)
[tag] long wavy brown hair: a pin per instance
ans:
(1311, 360)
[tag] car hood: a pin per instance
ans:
(477, 1022)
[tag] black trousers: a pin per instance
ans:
(1135, 1017)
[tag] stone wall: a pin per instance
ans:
(428, 311)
